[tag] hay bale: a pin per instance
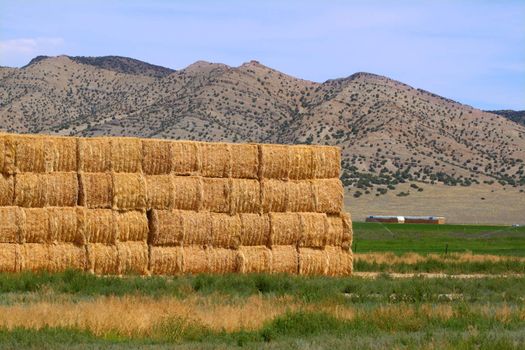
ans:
(245, 161)
(301, 196)
(195, 260)
(285, 259)
(66, 256)
(215, 159)
(160, 191)
(30, 153)
(131, 226)
(328, 195)
(96, 190)
(285, 229)
(166, 260)
(301, 162)
(313, 261)
(126, 155)
(31, 190)
(186, 158)
(99, 226)
(7, 154)
(35, 257)
(94, 155)
(9, 257)
(62, 189)
(339, 261)
(245, 196)
(60, 154)
(334, 233)
(225, 230)
(166, 227)
(129, 191)
(274, 195)
(64, 225)
(255, 259)
(255, 230)
(34, 226)
(326, 162)
(10, 219)
(221, 260)
(102, 259)
(7, 190)
(157, 157)
(348, 232)
(187, 193)
(314, 227)
(133, 258)
(196, 227)
(274, 162)
(216, 195)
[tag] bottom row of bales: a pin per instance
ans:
(139, 258)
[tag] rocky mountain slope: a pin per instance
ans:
(516, 116)
(389, 132)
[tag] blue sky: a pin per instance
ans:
(470, 51)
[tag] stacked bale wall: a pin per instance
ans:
(141, 206)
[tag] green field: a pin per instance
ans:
(424, 239)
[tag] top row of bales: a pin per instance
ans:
(41, 154)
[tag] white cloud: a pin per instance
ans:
(17, 51)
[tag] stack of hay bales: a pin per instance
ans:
(128, 205)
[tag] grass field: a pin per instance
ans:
(82, 311)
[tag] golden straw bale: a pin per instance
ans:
(255, 229)
(215, 159)
(60, 154)
(274, 195)
(131, 226)
(274, 162)
(31, 190)
(126, 155)
(225, 230)
(196, 228)
(35, 257)
(96, 190)
(99, 226)
(133, 257)
(313, 261)
(245, 161)
(300, 196)
(7, 154)
(186, 157)
(285, 259)
(166, 227)
(285, 228)
(62, 189)
(7, 190)
(216, 195)
(326, 162)
(64, 224)
(347, 230)
(221, 260)
(339, 261)
(66, 256)
(328, 195)
(10, 219)
(94, 155)
(129, 191)
(187, 193)
(314, 228)
(166, 260)
(245, 196)
(34, 226)
(9, 257)
(30, 153)
(157, 157)
(301, 162)
(160, 191)
(195, 260)
(102, 259)
(334, 233)
(255, 259)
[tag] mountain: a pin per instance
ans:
(515, 116)
(389, 132)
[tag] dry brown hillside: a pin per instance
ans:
(389, 131)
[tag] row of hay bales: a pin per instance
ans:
(127, 205)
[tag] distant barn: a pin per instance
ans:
(438, 220)
(381, 218)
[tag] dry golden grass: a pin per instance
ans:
(414, 258)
